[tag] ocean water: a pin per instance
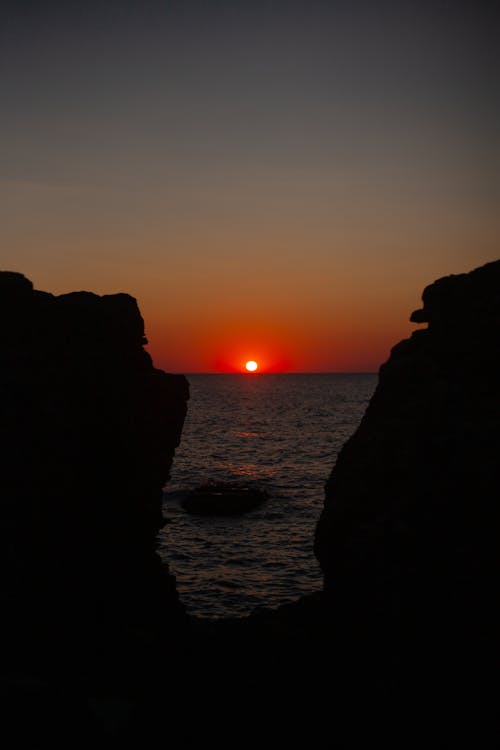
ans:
(281, 433)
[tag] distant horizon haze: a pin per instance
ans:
(279, 372)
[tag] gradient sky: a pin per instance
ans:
(270, 180)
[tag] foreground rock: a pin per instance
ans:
(408, 539)
(414, 492)
(89, 430)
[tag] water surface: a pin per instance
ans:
(281, 433)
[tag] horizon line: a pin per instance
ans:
(287, 372)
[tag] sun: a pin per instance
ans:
(251, 366)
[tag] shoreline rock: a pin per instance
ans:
(90, 428)
(411, 497)
(222, 499)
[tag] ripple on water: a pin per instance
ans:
(283, 433)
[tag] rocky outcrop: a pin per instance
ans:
(409, 531)
(89, 429)
(408, 538)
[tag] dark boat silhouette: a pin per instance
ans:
(222, 499)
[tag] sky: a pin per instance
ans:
(274, 181)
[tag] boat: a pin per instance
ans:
(222, 499)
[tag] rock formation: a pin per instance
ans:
(89, 430)
(414, 491)
(408, 538)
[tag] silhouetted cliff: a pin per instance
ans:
(414, 492)
(408, 539)
(89, 429)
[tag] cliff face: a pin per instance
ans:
(411, 510)
(89, 430)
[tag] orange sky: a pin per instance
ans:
(303, 310)
(269, 186)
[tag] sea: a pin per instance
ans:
(277, 432)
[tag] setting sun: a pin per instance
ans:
(251, 366)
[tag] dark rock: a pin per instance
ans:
(413, 490)
(89, 430)
(408, 538)
(222, 499)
